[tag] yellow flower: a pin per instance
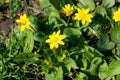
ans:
(68, 9)
(24, 22)
(116, 15)
(83, 15)
(55, 39)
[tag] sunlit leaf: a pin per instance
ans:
(86, 4)
(29, 43)
(81, 76)
(70, 63)
(55, 75)
(108, 3)
(104, 44)
(114, 68)
(91, 52)
(39, 36)
(115, 34)
(95, 65)
(26, 57)
(117, 1)
(82, 63)
(100, 10)
(102, 70)
(74, 36)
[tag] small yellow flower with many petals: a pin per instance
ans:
(24, 22)
(68, 9)
(116, 15)
(83, 15)
(55, 39)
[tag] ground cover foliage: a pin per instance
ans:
(61, 40)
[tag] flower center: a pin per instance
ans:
(83, 15)
(55, 39)
(24, 22)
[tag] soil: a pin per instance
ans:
(6, 22)
(5, 26)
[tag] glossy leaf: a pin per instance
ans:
(86, 4)
(102, 70)
(114, 68)
(29, 43)
(26, 57)
(55, 75)
(108, 3)
(70, 63)
(104, 44)
(59, 3)
(82, 63)
(74, 36)
(81, 76)
(39, 36)
(95, 65)
(100, 10)
(117, 1)
(115, 34)
(47, 7)
(91, 52)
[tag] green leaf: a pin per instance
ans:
(74, 36)
(95, 65)
(53, 17)
(39, 36)
(72, 32)
(82, 63)
(48, 8)
(56, 3)
(100, 10)
(29, 43)
(1, 66)
(114, 68)
(91, 52)
(104, 44)
(115, 34)
(70, 63)
(104, 39)
(55, 75)
(44, 66)
(26, 57)
(2, 2)
(76, 24)
(81, 76)
(11, 42)
(86, 4)
(108, 3)
(102, 70)
(49, 76)
(118, 77)
(117, 1)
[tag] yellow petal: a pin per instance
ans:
(28, 26)
(48, 41)
(61, 42)
(51, 46)
(18, 21)
(83, 22)
(87, 10)
(56, 45)
(22, 28)
(24, 15)
(118, 9)
(62, 37)
(58, 32)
